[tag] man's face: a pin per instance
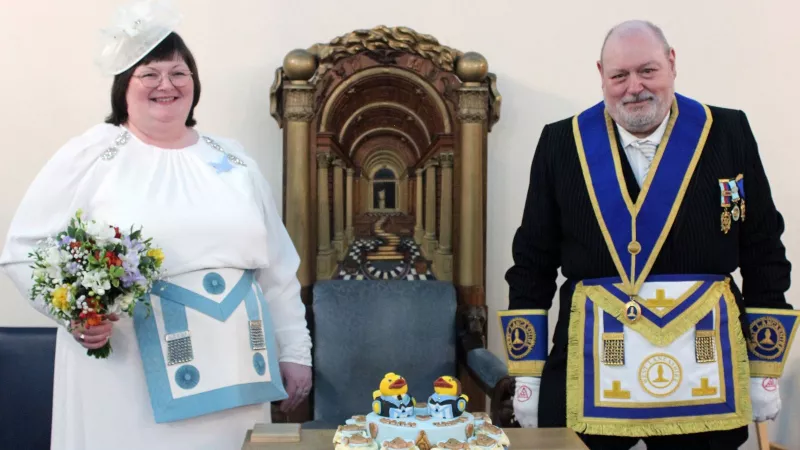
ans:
(638, 79)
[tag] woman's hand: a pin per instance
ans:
(95, 337)
(297, 379)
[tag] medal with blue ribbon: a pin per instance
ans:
(725, 202)
(734, 188)
(740, 188)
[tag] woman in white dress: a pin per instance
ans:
(230, 265)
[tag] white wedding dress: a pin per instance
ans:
(204, 214)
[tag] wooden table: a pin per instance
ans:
(521, 439)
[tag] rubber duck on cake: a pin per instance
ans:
(391, 399)
(447, 401)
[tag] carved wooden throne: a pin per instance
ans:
(384, 139)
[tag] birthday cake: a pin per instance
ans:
(398, 422)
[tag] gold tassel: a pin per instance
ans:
(613, 349)
(704, 346)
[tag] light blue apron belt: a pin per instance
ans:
(178, 337)
(257, 341)
(220, 311)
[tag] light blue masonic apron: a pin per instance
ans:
(207, 344)
(651, 355)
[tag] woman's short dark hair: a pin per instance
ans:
(170, 47)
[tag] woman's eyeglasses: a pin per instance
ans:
(178, 78)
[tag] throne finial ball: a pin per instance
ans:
(472, 67)
(299, 65)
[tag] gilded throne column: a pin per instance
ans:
(429, 242)
(473, 105)
(349, 234)
(338, 209)
(326, 255)
(443, 258)
(298, 101)
(418, 231)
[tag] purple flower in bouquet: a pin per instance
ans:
(73, 268)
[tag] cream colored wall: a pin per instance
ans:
(731, 53)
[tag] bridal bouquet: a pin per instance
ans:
(92, 270)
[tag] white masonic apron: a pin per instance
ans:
(207, 344)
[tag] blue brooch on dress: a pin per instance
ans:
(224, 164)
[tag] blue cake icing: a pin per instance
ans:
(398, 421)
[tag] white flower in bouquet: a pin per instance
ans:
(122, 303)
(103, 233)
(96, 281)
(53, 259)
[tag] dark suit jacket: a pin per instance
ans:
(559, 228)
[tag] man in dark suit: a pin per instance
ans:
(690, 164)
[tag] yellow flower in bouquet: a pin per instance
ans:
(61, 298)
(157, 254)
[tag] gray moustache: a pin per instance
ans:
(625, 101)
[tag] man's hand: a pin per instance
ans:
(766, 398)
(526, 401)
(297, 379)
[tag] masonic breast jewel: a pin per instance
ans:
(731, 197)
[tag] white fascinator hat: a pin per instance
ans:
(137, 28)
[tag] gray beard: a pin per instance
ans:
(639, 122)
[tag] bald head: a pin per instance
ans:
(633, 27)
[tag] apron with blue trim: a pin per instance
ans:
(207, 344)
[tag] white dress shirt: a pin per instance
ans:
(641, 151)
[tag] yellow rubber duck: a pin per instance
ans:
(391, 385)
(392, 399)
(447, 385)
(447, 401)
